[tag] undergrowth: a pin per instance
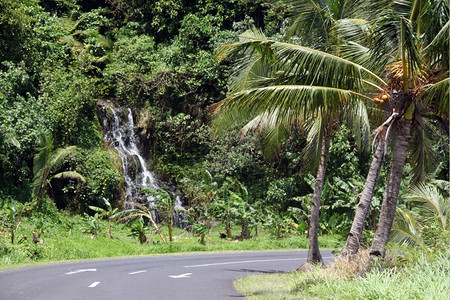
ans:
(426, 277)
(63, 239)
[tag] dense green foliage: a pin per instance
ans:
(68, 237)
(58, 58)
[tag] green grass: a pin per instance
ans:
(424, 279)
(61, 243)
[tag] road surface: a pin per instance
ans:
(196, 276)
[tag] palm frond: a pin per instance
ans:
(437, 50)
(434, 29)
(410, 42)
(436, 97)
(306, 99)
(44, 151)
(58, 158)
(363, 56)
(312, 21)
(295, 59)
(275, 129)
(406, 229)
(253, 41)
(429, 203)
(298, 60)
(38, 182)
(352, 30)
(317, 130)
(383, 41)
(223, 120)
(422, 158)
(69, 175)
(357, 116)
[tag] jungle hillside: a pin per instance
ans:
(266, 124)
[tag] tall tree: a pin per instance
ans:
(416, 84)
(408, 41)
(280, 108)
(322, 118)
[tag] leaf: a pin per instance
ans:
(69, 175)
(406, 229)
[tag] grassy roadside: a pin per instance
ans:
(65, 242)
(425, 278)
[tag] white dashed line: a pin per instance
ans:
(186, 275)
(246, 261)
(94, 284)
(81, 271)
(137, 272)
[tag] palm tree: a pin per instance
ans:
(281, 118)
(317, 83)
(417, 73)
(47, 163)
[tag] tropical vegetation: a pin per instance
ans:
(284, 123)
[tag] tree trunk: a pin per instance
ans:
(354, 237)
(389, 205)
(245, 234)
(228, 225)
(42, 186)
(108, 232)
(314, 256)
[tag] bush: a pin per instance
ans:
(102, 171)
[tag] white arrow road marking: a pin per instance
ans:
(137, 272)
(247, 261)
(186, 275)
(94, 284)
(80, 271)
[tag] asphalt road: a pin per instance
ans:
(199, 276)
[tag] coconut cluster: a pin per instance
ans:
(381, 99)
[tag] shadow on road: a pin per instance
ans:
(255, 271)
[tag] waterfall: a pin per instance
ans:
(120, 134)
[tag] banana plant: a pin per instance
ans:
(203, 202)
(140, 210)
(92, 225)
(164, 203)
(12, 219)
(138, 230)
(108, 213)
(222, 208)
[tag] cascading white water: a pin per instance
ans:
(121, 135)
(119, 132)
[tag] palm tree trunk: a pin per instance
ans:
(314, 256)
(389, 205)
(354, 237)
(42, 186)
